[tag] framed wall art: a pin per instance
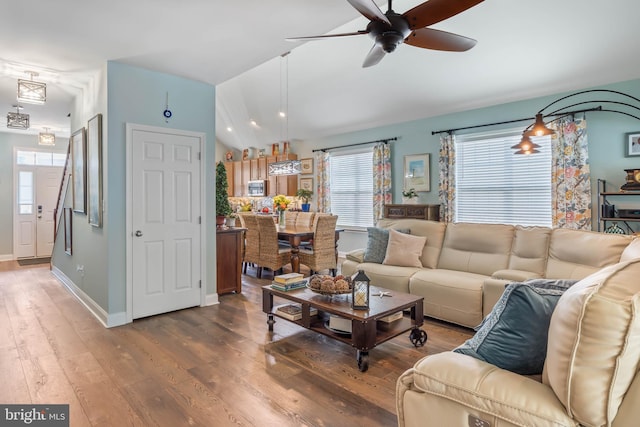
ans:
(94, 170)
(66, 217)
(306, 183)
(79, 170)
(416, 172)
(633, 144)
(307, 166)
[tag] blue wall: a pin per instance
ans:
(606, 135)
(138, 96)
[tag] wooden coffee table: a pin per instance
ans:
(366, 331)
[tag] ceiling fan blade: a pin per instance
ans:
(327, 36)
(374, 56)
(428, 38)
(432, 11)
(370, 10)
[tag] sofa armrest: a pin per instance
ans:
(515, 275)
(356, 255)
(468, 386)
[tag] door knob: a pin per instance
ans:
(138, 233)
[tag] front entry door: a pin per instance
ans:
(37, 190)
(47, 189)
(165, 189)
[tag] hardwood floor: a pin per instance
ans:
(205, 366)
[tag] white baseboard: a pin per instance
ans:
(210, 299)
(107, 320)
(6, 257)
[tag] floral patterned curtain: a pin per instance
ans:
(322, 178)
(447, 183)
(570, 175)
(381, 179)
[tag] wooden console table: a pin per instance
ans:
(229, 242)
(430, 212)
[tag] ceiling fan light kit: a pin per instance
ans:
(391, 29)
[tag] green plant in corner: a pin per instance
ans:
(223, 208)
(304, 194)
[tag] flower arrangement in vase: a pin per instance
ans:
(280, 205)
(410, 196)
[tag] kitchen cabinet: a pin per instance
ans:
(229, 168)
(259, 168)
(282, 184)
(238, 188)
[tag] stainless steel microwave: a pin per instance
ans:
(257, 188)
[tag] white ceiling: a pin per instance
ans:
(525, 49)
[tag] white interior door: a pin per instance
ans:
(165, 190)
(47, 188)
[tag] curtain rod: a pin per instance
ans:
(599, 108)
(395, 138)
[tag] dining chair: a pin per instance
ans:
(322, 256)
(304, 219)
(290, 218)
(271, 254)
(251, 241)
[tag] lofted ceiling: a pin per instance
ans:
(525, 49)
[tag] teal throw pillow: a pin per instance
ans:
(377, 244)
(514, 335)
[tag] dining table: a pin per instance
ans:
(295, 235)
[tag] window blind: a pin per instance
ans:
(351, 181)
(495, 186)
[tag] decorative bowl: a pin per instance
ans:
(329, 292)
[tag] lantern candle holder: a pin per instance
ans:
(360, 291)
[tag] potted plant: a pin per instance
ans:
(304, 195)
(223, 208)
(410, 196)
(231, 219)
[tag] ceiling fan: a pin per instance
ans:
(391, 29)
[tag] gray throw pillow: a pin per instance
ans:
(514, 335)
(377, 244)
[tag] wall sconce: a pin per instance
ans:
(46, 138)
(17, 120)
(32, 92)
(539, 127)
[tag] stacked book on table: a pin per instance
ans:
(289, 282)
(385, 323)
(293, 311)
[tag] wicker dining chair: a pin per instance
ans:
(304, 219)
(322, 255)
(290, 218)
(271, 254)
(251, 241)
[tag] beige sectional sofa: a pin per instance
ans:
(590, 374)
(465, 266)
